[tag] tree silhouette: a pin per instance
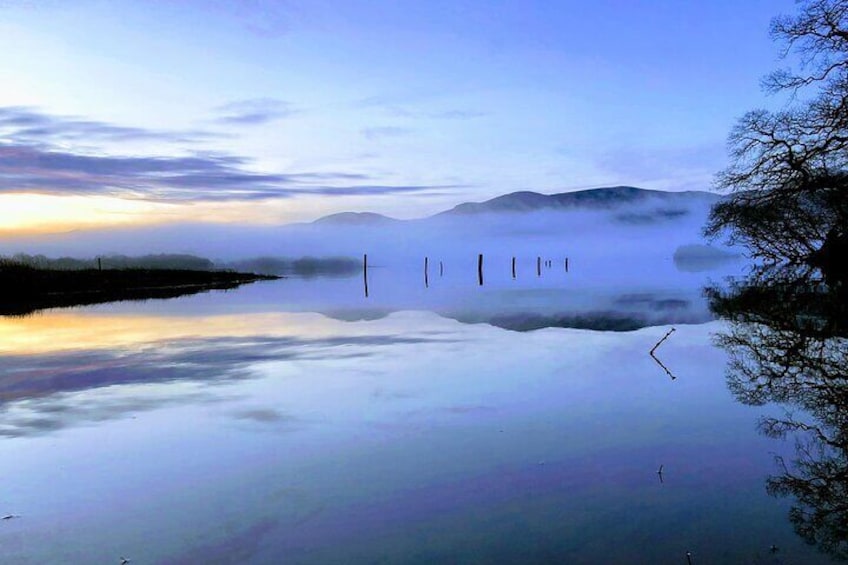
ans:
(788, 176)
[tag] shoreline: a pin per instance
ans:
(25, 290)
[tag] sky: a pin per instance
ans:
(116, 112)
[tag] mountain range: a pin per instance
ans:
(602, 221)
(606, 198)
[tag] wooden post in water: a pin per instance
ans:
(513, 267)
(426, 272)
(480, 269)
(365, 273)
(441, 269)
(538, 266)
(99, 264)
(566, 264)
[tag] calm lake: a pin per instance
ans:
(297, 421)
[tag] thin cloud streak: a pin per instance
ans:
(34, 157)
(200, 177)
(256, 111)
(381, 132)
(263, 18)
(691, 167)
(435, 115)
(392, 107)
(27, 124)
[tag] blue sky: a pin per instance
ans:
(276, 111)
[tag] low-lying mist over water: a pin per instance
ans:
(440, 402)
(614, 258)
(640, 222)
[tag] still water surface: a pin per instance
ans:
(272, 424)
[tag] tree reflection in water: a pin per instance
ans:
(787, 338)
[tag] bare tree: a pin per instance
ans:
(788, 177)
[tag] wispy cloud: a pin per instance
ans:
(402, 112)
(455, 115)
(26, 124)
(395, 106)
(255, 111)
(206, 177)
(690, 167)
(35, 157)
(265, 18)
(378, 189)
(381, 132)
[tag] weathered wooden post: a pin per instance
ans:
(513, 267)
(538, 266)
(441, 269)
(566, 264)
(426, 272)
(365, 273)
(480, 269)
(99, 264)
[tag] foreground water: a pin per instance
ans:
(272, 425)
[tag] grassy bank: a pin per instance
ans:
(25, 289)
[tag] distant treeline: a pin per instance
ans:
(169, 262)
(285, 266)
(302, 267)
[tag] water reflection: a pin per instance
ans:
(213, 431)
(66, 369)
(788, 344)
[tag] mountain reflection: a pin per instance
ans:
(788, 343)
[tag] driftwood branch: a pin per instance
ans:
(654, 357)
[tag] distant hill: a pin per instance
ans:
(596, 198)
(354, 219)
(614, 219)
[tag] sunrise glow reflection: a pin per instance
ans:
(69, 331)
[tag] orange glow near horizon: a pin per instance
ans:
(25, 213)
(41, 213)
